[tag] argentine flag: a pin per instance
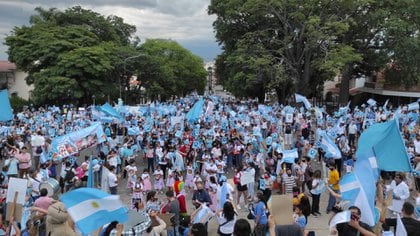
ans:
(289, 156)
(331, 149)
(360, 194)
(92, 208)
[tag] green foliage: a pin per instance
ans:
(18, 103)
(167, 69)
(76, 49)
(277, 44)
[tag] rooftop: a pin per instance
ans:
(6, 66)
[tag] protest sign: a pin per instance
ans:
(72, 143)
(247, 177)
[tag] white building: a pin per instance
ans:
(14, 80)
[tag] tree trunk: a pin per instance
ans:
(343, 97)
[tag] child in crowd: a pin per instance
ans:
(137, 195)
(189, 178)
(171, 179)
(131, 170)
(147, 185)
(158, 184)
(299, 218)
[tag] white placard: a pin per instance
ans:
(289, 118)
(247, 177)
(17, 185)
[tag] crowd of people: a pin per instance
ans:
(158, 156)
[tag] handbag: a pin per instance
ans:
(251, 214)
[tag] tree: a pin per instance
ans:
(279, 43)
(74, 50)
(167, 69)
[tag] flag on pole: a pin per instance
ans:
(91, 208)
(388, 146)
(195, 112)
(329, 146)
(360, 194)
(371, 102)
(6, 113)
(304, 100)
(109, 110)
(413, 106)
(366, 161)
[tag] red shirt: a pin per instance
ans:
(182, 203)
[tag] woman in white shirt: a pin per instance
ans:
(316, 192)
(226, 219)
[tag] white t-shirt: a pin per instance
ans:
(352, 129)
(112, 178)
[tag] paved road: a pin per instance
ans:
(319, 225)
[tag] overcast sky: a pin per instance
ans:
(185, 21)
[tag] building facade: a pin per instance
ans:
(14, 80)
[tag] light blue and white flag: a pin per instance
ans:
(289, 156)
(304, 100)
(385, 105)
(413, 106)
(341, 217)
(109, 110)
(92, 208)
(329, 146)
(371, 102)
(360, 193)
(195, 112)
(388, 146)
(349, 187)
(366, 161)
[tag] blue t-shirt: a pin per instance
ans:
(261, 211)
(301, 221)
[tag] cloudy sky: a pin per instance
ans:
(185, 21)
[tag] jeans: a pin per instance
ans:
(173, 231)
(331, 201)
(150, 164)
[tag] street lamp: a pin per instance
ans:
(124, 63)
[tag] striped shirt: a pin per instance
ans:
(289, 182)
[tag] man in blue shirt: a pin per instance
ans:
(261, 218)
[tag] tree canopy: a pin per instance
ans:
(73, 54)
(293, 45)
(167, 69)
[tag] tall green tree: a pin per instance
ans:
(279, 44)
(167, 69)
(71, 54)
(385, 34)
